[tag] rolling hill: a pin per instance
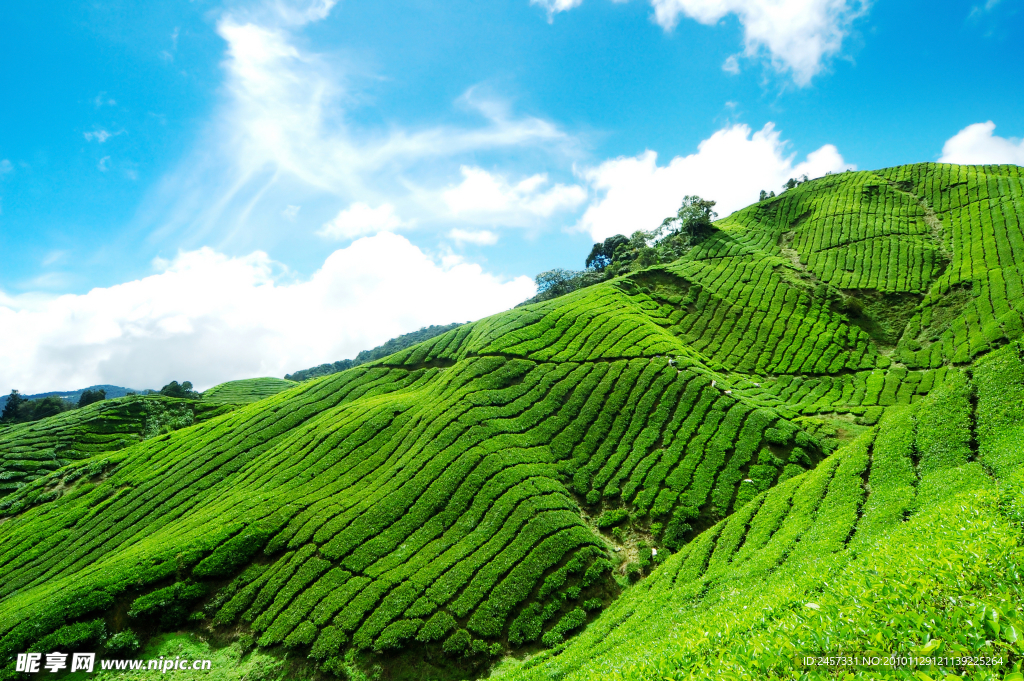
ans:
(653, 477)
(31, 450)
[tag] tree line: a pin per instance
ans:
(620, 254)
(21, 409)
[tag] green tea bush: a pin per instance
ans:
(824, 367)
(611, 517)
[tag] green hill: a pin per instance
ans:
(383, 350)
(29, 451)
(906, 540)
(245, 391)
(648, 478)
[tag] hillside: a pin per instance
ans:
(908, 536)
(29, 451)
(245, 391)
(383, 350)
(646, 478)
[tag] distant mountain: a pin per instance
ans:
(73, 395)
(389, 348)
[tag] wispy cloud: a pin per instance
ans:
(168, 55)
(555, 6)
(6, 167)
(102, 100)
(286, 128)
(104, 164)
(47, 281)
(54, 257)
(979, 10)
(481, 237)
(100, 135)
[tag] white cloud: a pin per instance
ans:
(976, 145)
(360, 220)
(731, 65)
(485, 196)
(103, 166)
(449, 259)
(210, 318)
(482, 237)
(555, 6)
(730, 167)
(797, 36)
(290, 213)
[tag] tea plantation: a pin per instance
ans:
(245, 391)
(803, 436)
(29, 451)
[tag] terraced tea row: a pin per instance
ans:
(29, 451)
(803, 532)
(974, 305)
(427, 504)
(499, 485)
(863, 393)
(246, 390)
(765, 295)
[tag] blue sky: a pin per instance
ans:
(185, 186)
